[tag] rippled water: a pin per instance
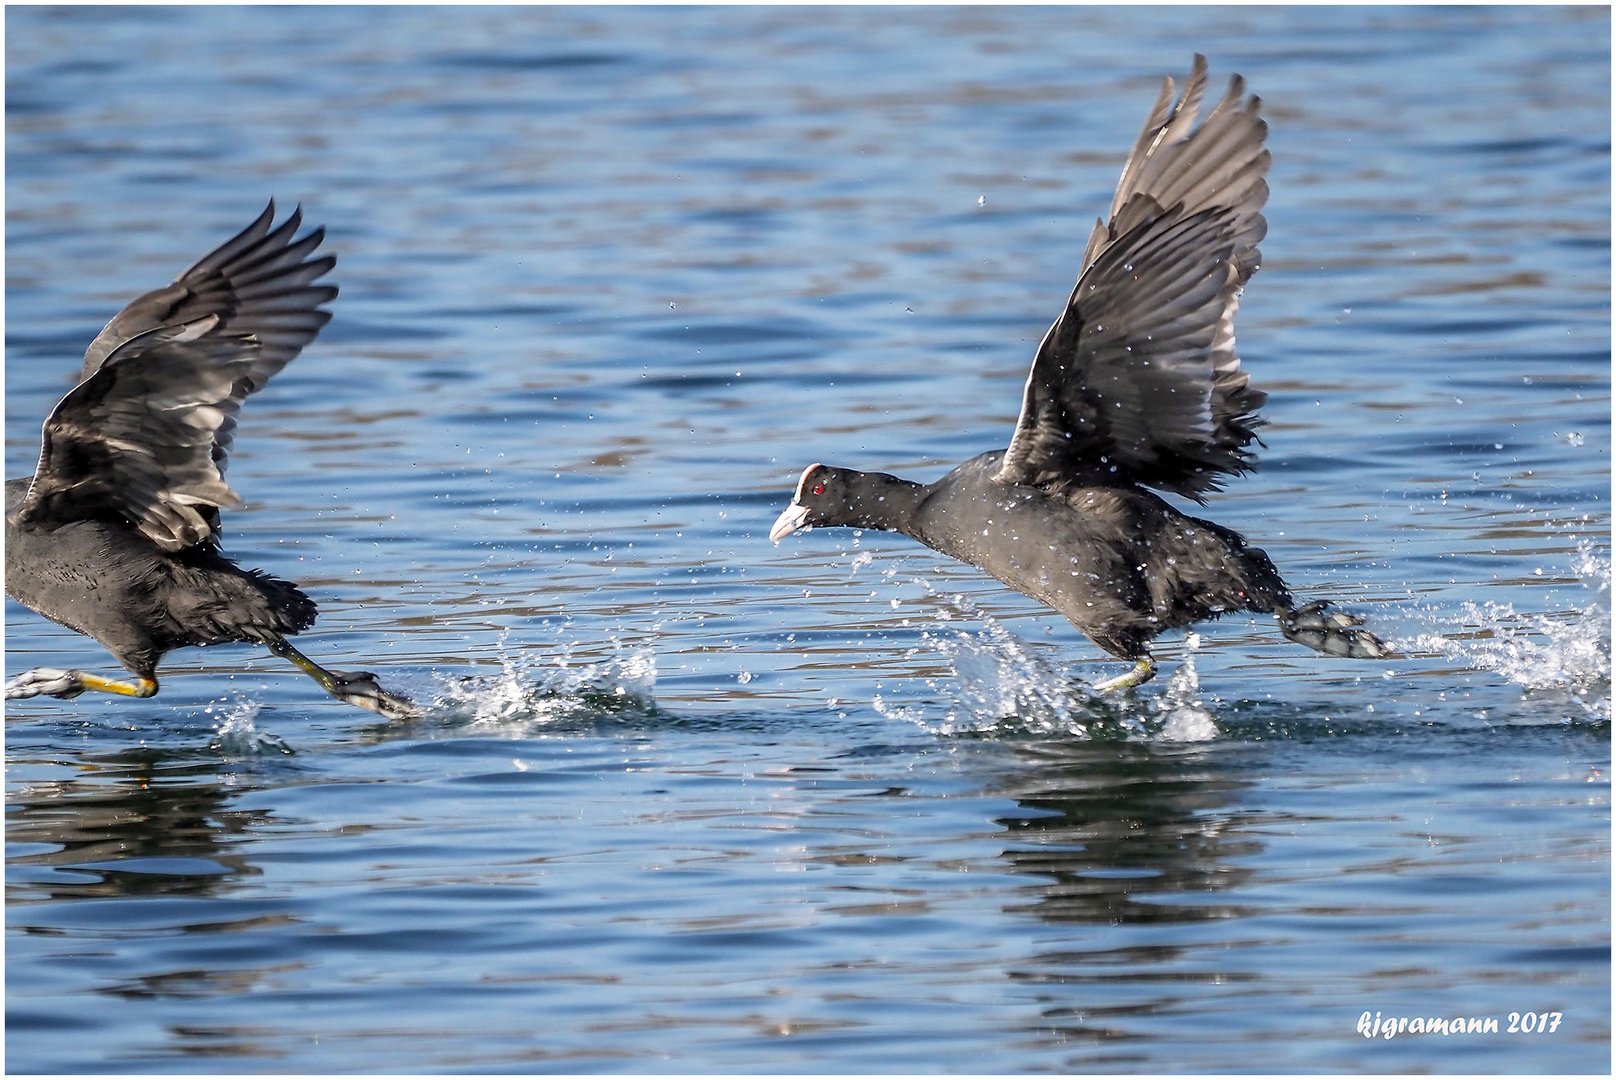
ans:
(690, 802)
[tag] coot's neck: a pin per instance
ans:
(881, 501)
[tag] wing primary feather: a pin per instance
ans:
(1137, 380)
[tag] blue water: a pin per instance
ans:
(689, 802)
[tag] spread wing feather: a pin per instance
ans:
(1138, 380)
(259, 282)
(146, 433)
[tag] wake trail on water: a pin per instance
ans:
(529, 689)
(1560, 657)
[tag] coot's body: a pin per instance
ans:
(117, 533)
(105, 579)
(1135, 386)
(1142, 567)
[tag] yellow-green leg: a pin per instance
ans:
(1144, 669)
(355, 687)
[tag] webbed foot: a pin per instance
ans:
(362, 689)
(1336, 633)
(68, 684)
(45, 680)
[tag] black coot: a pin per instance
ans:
(1135, 386)
(116, 534)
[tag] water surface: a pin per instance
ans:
(688, 802)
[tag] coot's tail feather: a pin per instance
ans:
(215, 602)
(1336, 633)
(292, 610)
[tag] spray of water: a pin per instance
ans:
(551, 686)
(236, 734)
(1560, 656)
(1183, 716)
(998, 683)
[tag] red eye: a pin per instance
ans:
(819, 489)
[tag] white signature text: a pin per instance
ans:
(1375, 1026)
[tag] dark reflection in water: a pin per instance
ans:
(1129, 834)
(128, 825)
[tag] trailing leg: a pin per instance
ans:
(355, 687)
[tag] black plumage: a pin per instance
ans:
(1136, 385)
(116, 534)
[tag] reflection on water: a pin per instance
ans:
(127, 826)
(1129, 835)
(691, 802)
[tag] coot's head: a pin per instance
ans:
(825, 496)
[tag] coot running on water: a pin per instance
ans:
(116, 534)
(1135, 386)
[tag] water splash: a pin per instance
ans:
(1560, 656)
(999, 684)
(550, 687)
(1184, 717)
(236, 734)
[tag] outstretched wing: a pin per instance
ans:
(147, 431)
(1138, 379)
(258, 283)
